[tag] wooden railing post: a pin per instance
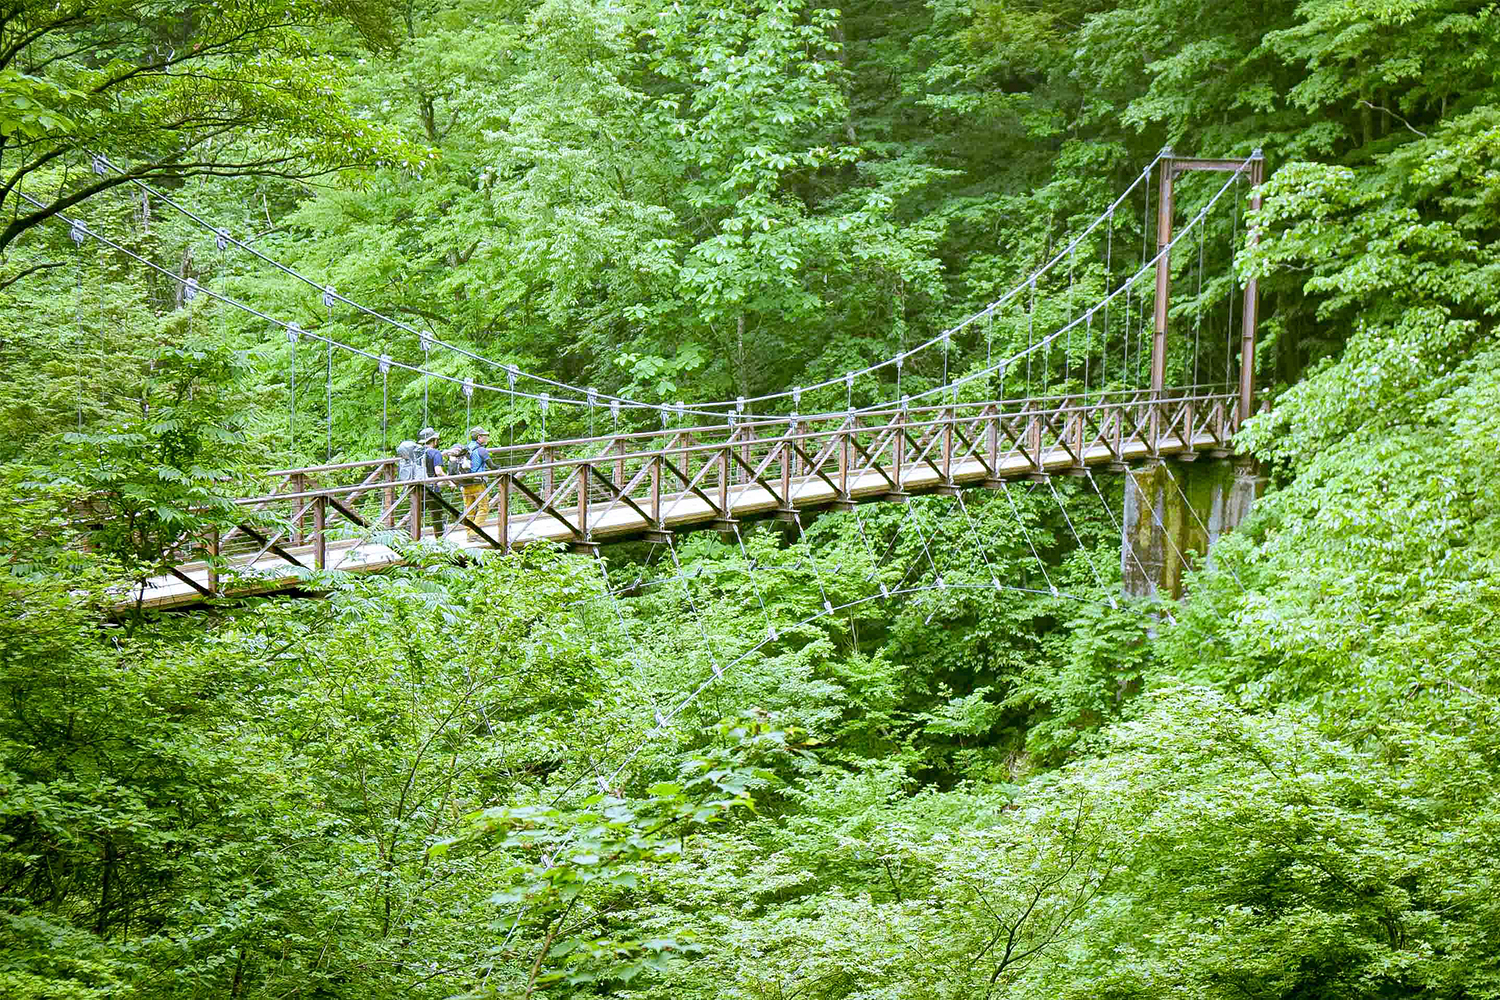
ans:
(656, 493)
(320, 535)
(898, 448)
(502, 516)
(844, 449)
(417, 490)
(747, 452)
(724, 480)
(299, 485)
(951, 415)
(390, 495)
(1078, 437)
(992, 438)
(619, 447)
(787, 457)
(213, 555)
(583, 501)
(549, 474)
(1034, 440)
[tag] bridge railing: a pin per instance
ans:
(539, 455)
(580, 491)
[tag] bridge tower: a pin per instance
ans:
(1181, 508)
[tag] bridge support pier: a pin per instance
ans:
(1174, 510)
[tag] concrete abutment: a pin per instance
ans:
(1174, 512)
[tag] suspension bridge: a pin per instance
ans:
(715, 465)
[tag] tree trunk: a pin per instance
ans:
(111, 859)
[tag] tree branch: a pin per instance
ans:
(1388, 111)
(29, 271)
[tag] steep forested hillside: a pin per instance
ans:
(467, 780)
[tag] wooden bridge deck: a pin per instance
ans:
(597, 490)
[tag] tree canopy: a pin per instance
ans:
(490, 778)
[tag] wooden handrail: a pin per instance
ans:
(1071, 403)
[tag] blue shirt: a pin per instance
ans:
(479, 457)
(434, 460)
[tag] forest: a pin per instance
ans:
(492, 777)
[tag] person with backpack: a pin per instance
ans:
(477, 459)
(431, 468)
(411, 463)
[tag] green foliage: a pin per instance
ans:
(140, 79)
(1406, 256)
(488, 779)
(155, 486)
(591, 858)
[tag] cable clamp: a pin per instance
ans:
(101, 166)
(425, 336)
(79, 232)
(329, 296)
(221, 237)
(293, 332)
(190, 290)
(468, 388)
(384, 364)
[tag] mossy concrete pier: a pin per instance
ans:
(1174, 512)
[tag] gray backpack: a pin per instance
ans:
(410, 463)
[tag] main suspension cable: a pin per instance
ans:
(101, 164)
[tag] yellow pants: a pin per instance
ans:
(478, 513)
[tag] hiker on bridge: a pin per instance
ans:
(432, 464)
(418, 462)
(476, 501)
